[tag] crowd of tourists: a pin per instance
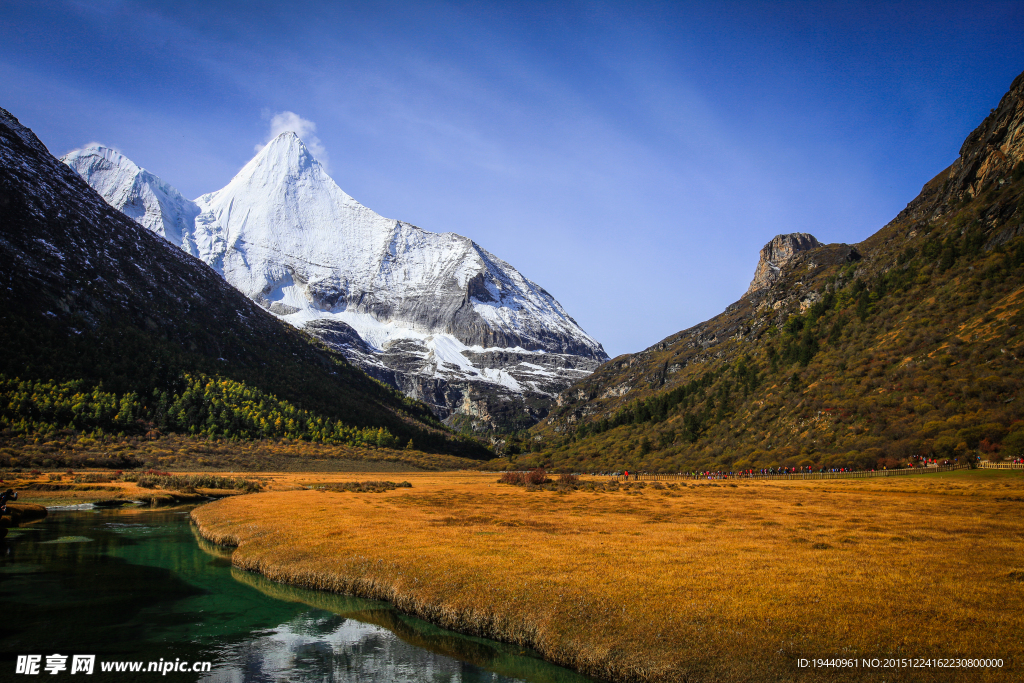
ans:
(776, 471)
(916, 461)
(765, 472)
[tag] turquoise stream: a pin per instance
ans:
(139, 585)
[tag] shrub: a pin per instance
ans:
(365, 486)
(513, 478)
(189, 483)
(568, 482)
(92, 478)
(537, 477)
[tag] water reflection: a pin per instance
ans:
(374, 619)
(137, 585)
(326, 647)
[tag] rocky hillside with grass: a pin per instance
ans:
(106, 328)
(907, 344)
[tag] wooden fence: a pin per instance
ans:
(1001, 465)
(795, 476)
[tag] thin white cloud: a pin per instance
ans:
(100, 144)
(94, 144)
(285, 121)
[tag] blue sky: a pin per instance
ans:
(632, 158)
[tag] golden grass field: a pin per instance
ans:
(57, 489)
(701, 582)
(39, 490)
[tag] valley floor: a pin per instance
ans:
(701, 581)
(79, 451)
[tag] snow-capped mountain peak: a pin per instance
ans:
(135, 191)
(410, 305)
(284, 161)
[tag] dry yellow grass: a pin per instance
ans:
(42, 489)
(706, 582)
(45, 489)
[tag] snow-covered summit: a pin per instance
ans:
(293, 240)
(136, 192)
(414, 305)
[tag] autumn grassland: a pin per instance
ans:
(667, 582)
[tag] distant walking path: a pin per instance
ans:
(764, 476)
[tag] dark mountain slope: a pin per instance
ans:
(89, 296)
(909, 343)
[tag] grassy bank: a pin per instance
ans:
(106, 488)
(157, 488)
(697, 582)
(21, 513)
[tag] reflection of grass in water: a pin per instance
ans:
(70, 539)
(163, 539)
(500, 658)
(220, 552)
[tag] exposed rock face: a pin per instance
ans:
(521, 396)
(432, 314)
(990, 153)
(988, 159)
(776, 254)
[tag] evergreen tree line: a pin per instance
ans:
(202, 406)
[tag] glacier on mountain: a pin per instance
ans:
(433, 314)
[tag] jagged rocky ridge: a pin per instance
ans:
(909, 342)
(88, 294)
(434, 315)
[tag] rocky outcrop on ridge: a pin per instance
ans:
(776, 254)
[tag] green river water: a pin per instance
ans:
(137, 585)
